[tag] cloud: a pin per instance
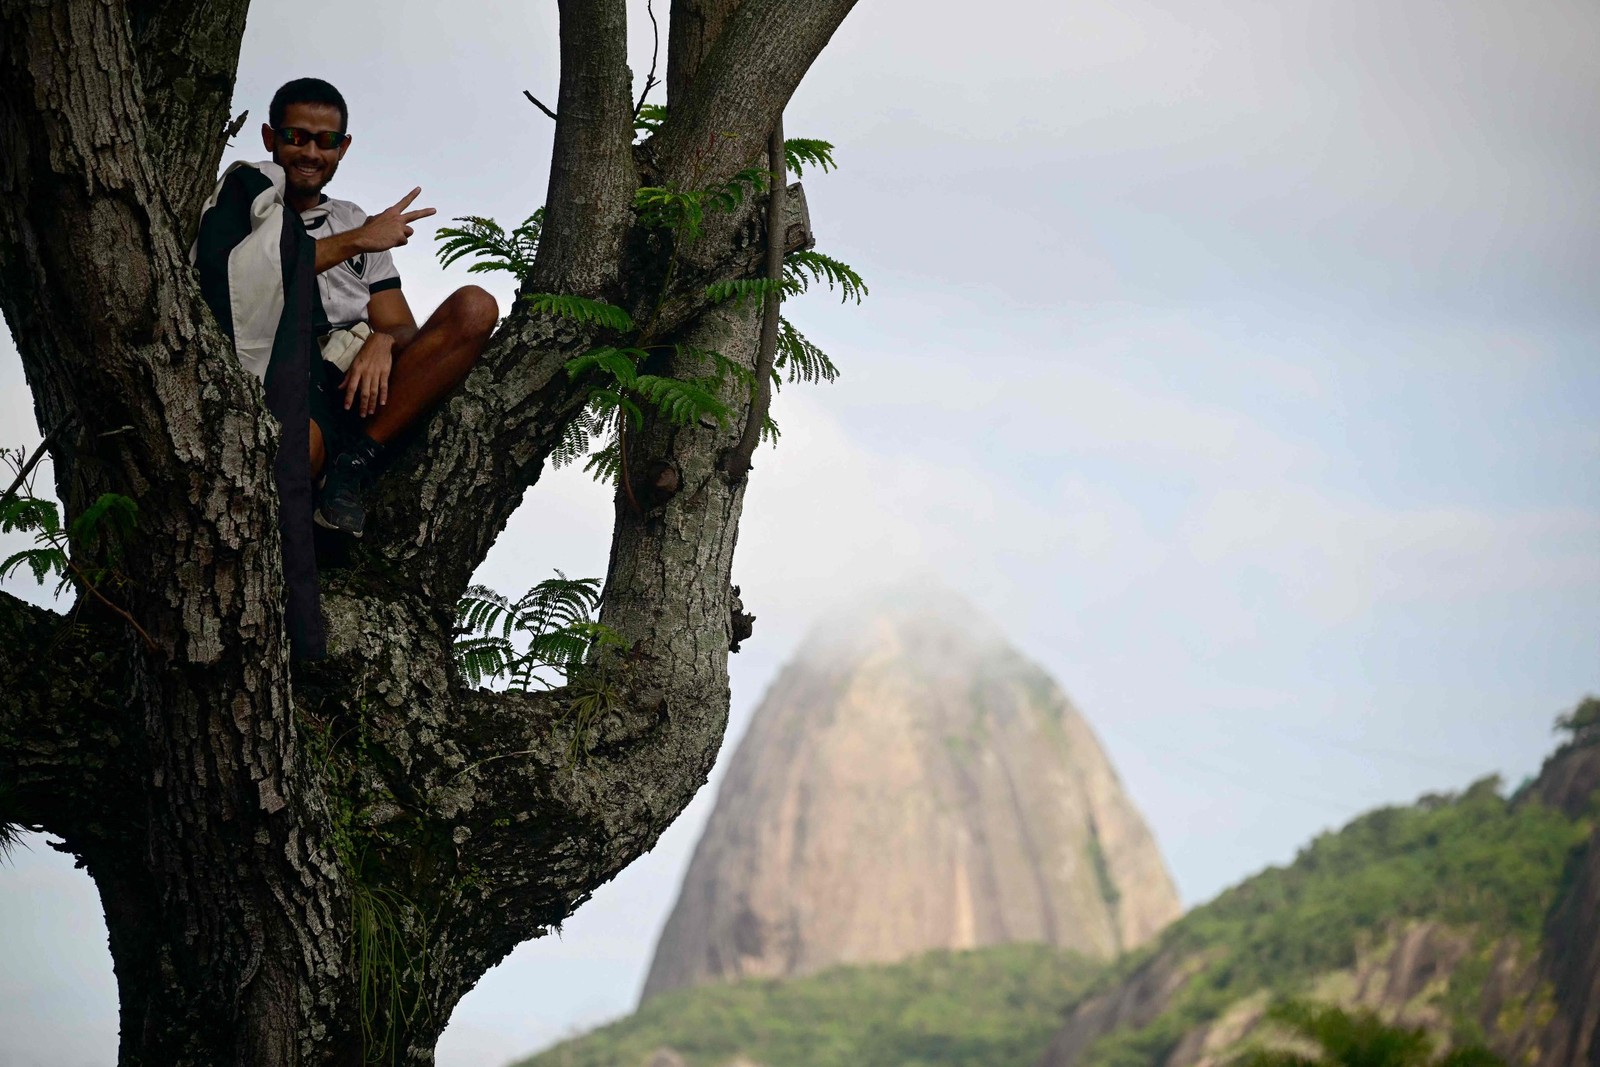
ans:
(1341, 557)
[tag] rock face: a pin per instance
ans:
(911, 782)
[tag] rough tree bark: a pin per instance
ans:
(270, 839)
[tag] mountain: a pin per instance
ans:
(1475, 914)
(911, 782)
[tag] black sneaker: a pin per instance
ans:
(339, 503)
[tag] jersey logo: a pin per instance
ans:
(357, 264)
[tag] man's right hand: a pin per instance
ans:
(391, 227)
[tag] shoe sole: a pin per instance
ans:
(317, 518)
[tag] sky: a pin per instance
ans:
(1237, 356)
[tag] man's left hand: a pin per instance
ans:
(367, 380)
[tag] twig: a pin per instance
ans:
(737, 464)
(27, 468)
(622, 461)
(655, 52)
(83, 579)
(534, 100)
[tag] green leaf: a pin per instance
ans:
(29, 513)
(650, 118)
(800, 152)
(43, 562)
(549, 628)
(802, 360)
(802, 268)
(488, 240)
(106, 524)
(619, 363)
(579, 309)
(683, 400)
(740, 290)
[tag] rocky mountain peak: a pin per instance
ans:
(911, 782)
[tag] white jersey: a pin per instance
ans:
(347, 287)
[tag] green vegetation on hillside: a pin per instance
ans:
(994, 1007)
(1357, 1039)
(1489, 867)
(1477, 862)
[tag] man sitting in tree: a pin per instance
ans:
(369, 372)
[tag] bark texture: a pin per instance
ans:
(312, 863)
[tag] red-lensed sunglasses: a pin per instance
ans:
(327, 140)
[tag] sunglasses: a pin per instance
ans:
(327, 140)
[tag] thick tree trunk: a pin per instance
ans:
(312, 863)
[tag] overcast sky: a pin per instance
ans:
(1238, 356)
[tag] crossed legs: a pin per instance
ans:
(424, 373)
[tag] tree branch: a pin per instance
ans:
(737, 464)
(693, 28)
(590, 197)
(741, 88)
(64, 741)
(188, 54)
(655, 53)
(536, 102)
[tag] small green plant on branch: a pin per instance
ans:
(624, 385)
(85, 553)
(549, 631)
(548, 635)
(494, 248)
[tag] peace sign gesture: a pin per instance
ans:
(391, 227)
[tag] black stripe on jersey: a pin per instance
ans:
(380, 286)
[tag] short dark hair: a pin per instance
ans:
(307, 91)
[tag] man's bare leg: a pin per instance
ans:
(319, 452)
(436, 361)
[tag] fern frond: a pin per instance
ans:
(574, 443)
(619, 363)
(769, 431)
(553, 620)
(605, 465)
(801, 360)
(673, 209)
(481, 609)
(683, 400)
(806, 266)
(43, 562)
(615, 404)
(650, 118)
(29, 513)
(106, 524)
(731, 193)
(741, 289)
(486, 239)
(579, 309)
(800, 152)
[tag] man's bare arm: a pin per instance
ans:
(388, 312)
(389, 228)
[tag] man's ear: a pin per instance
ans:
(268, 138)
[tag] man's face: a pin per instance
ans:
(308, 168)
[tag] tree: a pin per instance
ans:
(312, 862)
(1357, 1038)
(1582, 723)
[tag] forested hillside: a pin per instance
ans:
(1468, 913)
(996, 1007)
